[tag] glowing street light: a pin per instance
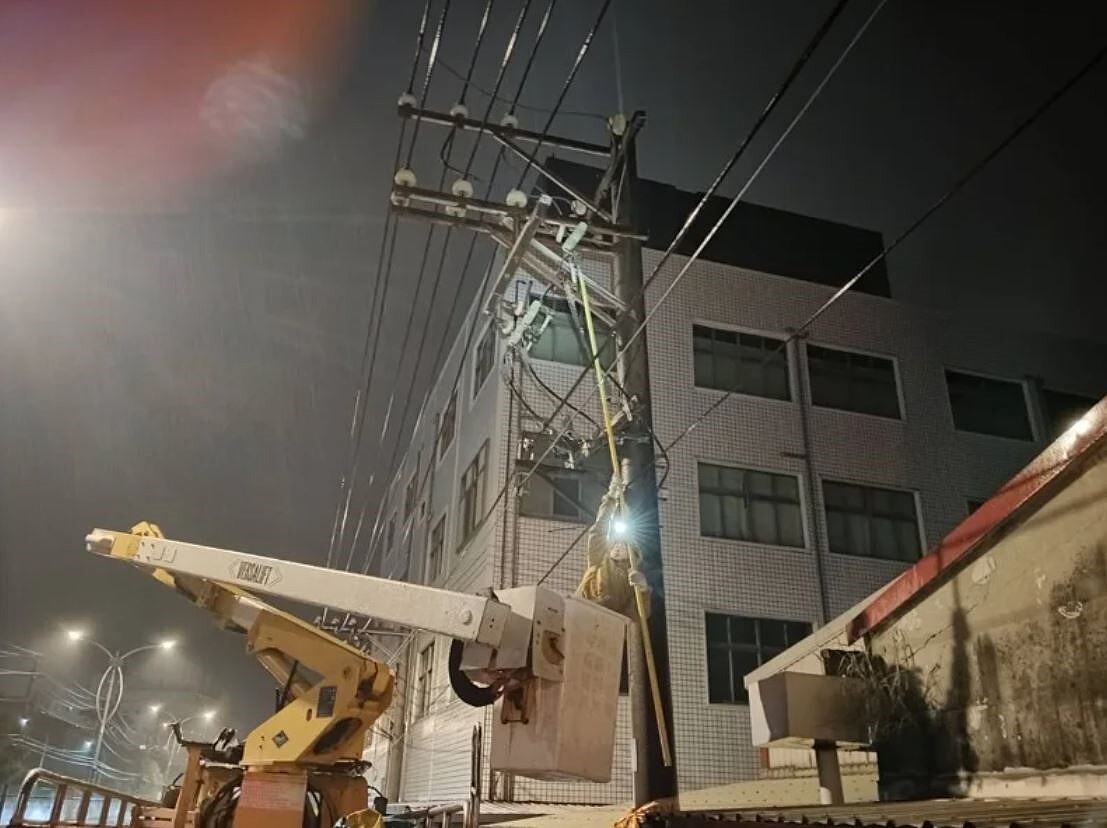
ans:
(619, 528)
(208, 715)
(109, 691)
(154, 708)
(24, 721)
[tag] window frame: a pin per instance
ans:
(801, 504)
(411, 495)
(390, 534)
(602, 333)
(789, 365)
(424, 681)
(1049, 424)
(442, 449)
(552, 470)
(480, 461)
(902, 417)
(1026, 401)
(488, 335)
(758, 648)
(434, 573)
(920, 529)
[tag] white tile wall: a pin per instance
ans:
(921, 452)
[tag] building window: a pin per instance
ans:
(390, 534)
(740, 362)
(853, 382)
(736, 646)
(988, 406)
(484, 358)
(424, 681)
(871, 522)
(411, 493)
(747, 505)
(474, 481)
(557, 491)
(562, 341)
(1062, 409)
(447, 425)
(435, 552)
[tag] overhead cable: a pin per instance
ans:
(904, 234)
(753, 176)
(505, 61)
(459, 283)
(346, 481)
(577, 61)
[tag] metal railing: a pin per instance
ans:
(441, 816)
(48, 799)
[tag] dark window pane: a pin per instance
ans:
(557, 491)
(772, 633)
(716, 628)
(561, 341)
(743, 630)
(797, 631)
(743, 662)
(744, 363)
(852, 382)
(870, 521)
(736, 645)
(791, 525)
(718, 675)
(749, 505)
(711, 516)
(1062, 409)
(988, 406)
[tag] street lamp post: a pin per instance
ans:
(172, 747)
(109, 690)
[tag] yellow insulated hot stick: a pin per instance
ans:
(640, 592)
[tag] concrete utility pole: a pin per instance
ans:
(531, 239)
(653, 779)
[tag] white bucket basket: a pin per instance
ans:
(570, 729)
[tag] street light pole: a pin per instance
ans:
(108, 699)
(172, 747)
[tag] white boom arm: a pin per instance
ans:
(469, 618)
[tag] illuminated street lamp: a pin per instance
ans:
(171, 743)
(109, 690)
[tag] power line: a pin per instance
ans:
(509, 52)
(581, 52)
(500, 156)
(958, 185)
(387, 279)
(904, 234)
(749, 182)
(476, 50)
(346, 481)
(431, 61)
(505, 61)
(770, 106)
(565, 113)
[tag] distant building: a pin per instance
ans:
(831, 468)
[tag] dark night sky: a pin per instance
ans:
(192, 362)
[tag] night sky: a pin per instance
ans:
(179, 342)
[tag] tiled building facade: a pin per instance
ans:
(832, 464)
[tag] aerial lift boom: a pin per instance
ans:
(521, 646)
